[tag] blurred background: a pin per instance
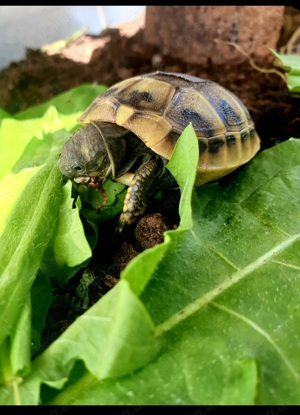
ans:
(24, 27)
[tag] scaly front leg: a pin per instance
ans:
(142, 186)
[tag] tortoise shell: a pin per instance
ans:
(157, 107)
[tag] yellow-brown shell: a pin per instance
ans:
(157, 107)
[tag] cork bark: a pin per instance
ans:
(189, 33)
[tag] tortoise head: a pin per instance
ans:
(84, 156)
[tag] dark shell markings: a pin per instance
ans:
(140, 120)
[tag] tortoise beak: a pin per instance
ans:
(83, 179)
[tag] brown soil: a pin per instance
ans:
(107, 59)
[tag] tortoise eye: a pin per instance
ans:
(77, 168)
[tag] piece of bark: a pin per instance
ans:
(189, 33)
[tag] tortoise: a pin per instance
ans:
(130, 130)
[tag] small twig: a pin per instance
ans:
(251, 61)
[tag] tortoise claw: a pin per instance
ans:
(120, 225)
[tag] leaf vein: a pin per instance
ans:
(186, 376)
(224, 258)
(262, 332)
(285, 264)
(264, 222)
(206, 298)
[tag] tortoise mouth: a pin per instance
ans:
(83, 179)
(92, 181)
(94, 178)
(95, 183)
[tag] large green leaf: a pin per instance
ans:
(113, 337)
(23, 243)
(224, 296)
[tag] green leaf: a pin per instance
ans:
(4, 114)
(41, 298)
(23, 243)
(25, 147)
(114, 337)
(69, 250)
(292, 64)
(92, 200)
(240, 268)
(15, 352)
(183, 165)
(122, 336)
(224, 297)
(21, 340)
(178, 376)
(14, 136)
(71, 103)
(70, 246)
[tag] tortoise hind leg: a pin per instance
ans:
(143, 184)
